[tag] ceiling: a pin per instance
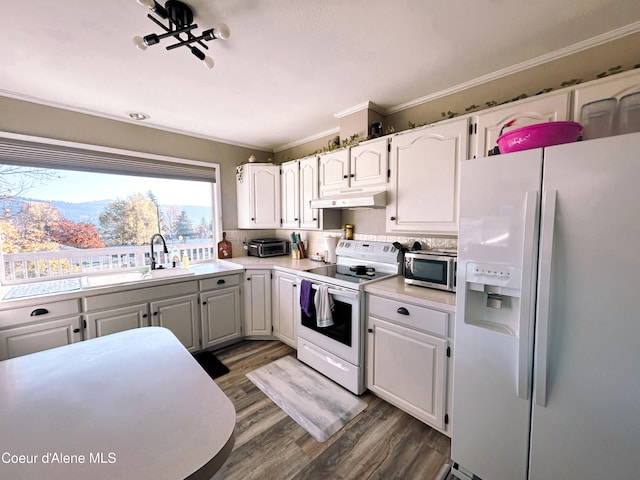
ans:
(289, 66)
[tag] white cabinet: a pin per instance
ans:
(616, 86)
(361, 167)
(180, 315)
(299, 185)
(290, 189)
(118, 319)
(422, 193)
(369, 163)
(406, 358)
(173, 306)
(257, 303)
(285, 308)
(32, 329)
(334, 172)
(258, 195)
(551, 107)
(220, 310)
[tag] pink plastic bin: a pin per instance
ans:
(539, 135)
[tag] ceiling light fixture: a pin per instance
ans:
(138, 116)
(180, 22)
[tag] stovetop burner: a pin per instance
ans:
(344, 272)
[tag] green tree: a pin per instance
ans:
(184, 226)
(131, 221)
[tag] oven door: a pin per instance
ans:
(344, 337)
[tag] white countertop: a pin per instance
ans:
(134, 404)
(396, 288)
(284, 262)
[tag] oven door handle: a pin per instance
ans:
(343, 293)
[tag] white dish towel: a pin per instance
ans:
(324, 305)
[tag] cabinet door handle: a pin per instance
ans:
(253, 219)
(220, 282)
(204, 303)
(370, 330)
(144, 315)
(345, 176)
(403, 311)
(39, 311)
(76, 330)
(352, 175)
(155, 313)
(392, 219)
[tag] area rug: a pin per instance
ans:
(208, 361)
(317, 404)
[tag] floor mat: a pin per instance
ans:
(316, 403)
(214, 367)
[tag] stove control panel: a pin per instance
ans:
(372, 251)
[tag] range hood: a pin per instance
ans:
(348, 200)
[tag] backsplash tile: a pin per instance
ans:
(314, 240)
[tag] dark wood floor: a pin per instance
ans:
(383, 442)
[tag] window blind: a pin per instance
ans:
(16, 149)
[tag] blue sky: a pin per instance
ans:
(79, 187)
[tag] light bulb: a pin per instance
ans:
(138, 41)
(208, 61)
(147, 3)
(222, 31)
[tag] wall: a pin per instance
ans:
(584, 65)
(44, 121)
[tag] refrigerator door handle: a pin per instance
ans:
(544, 294)
(526, 295)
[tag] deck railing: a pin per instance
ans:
(21, 267)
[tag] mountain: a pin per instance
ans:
(89, 212)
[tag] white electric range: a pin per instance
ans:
(337, 351)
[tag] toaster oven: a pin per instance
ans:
(268, 247)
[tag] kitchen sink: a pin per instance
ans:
(129, 277)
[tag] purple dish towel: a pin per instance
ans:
(306, 297)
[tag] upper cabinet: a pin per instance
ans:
(422, 193)
(290, 190)
(615, 86)
(258, 190)
(299, 185)
(369, 163)
(361, 167)
(489, 123)
(334, 172)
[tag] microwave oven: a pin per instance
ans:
(432, 269)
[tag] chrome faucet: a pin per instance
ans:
(164, 244)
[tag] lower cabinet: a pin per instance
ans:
(285, 306)
(116, 320)
(31, 338)
(173, 306)
(406, 363)
(180, 315)
(32, 329)
(257, 303)
(220, 310)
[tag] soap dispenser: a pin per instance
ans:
(175, 257)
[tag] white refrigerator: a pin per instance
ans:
(546, 374)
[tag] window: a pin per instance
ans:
(68, 210)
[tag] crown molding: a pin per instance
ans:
(358, 108)
(534, 62)
(302, 141)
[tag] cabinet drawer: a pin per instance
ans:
(222, 281)
(410, 315)
(39, 312)
(138, 295)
